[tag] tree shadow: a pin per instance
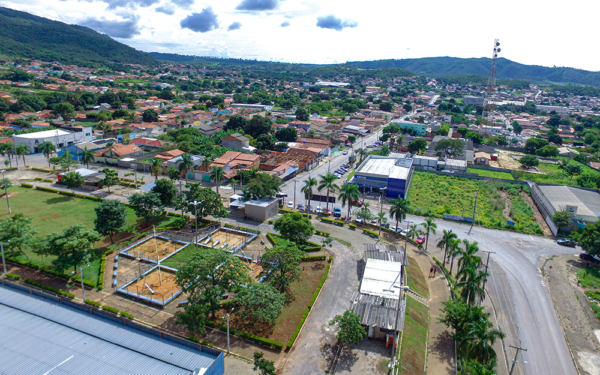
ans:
(58, 200)
(346, 359)
(443, 344)
(360, 269)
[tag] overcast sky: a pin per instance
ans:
(330, 31)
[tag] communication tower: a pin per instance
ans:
(491, 91)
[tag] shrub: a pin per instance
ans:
(13, 276)
(38, 179)
(352, 226)
(55, 273)
(44, 170)
(125, 314)
(333, 221)
(26, 185)
(194, 339)
(285, 211)
(321, 233)
(291, 341)
(205, 343)
(370, 232)
(451, 278)
(92, 303)
(110, 309)
(307, 246)
(87, 283)
(314, 257)
(270, 221)
(49, 288)
(47, 180)
(261, 340)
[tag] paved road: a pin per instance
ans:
(518, 256)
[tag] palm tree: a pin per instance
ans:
(155, 167)
(381, 219)
(454, 250)
(47, 148)
(22, 150)
(307, 189)
(363, 154)
(399, 209)
(87, 156)
(186, 165)
(399, 141)
(206, 163)
(233, 182)
(110, 145)
(444, 242)
(413, 231)
(430, 226)
(5, 150)
(467, 256)
(483, 337)
(469, 281)
(328, 182)
(348, 194)
(217, 175)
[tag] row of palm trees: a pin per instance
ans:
(12, 151)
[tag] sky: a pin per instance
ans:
(335, 31)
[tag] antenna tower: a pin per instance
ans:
(490, 93)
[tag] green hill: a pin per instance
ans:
(507, 69)
(28, 36)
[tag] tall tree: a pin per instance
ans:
(262, 365)
(156, 167)
(262, 185)
(111, 216)
(211, 204)
(350, 331)
(454, 250)
(47, 148)
(217, 175)
(22, 150)
(399, 209)
(147, 206)
(73, 180)
(87, 157)
(282, 264)
(111, 178)
(260, 303)
(589, 238)
(430, 226)
(349, 194)
(307, 189)
(64, 110)
(445, 242)
(16, 233)
(150, 115)
(327, 182)
(294, 226)
(165, 190)
(186, 165)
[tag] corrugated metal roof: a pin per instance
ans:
(42, 335)
(376, 311)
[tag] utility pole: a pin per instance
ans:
(3, 261)
(474, 212)
(487, 263)
(516, 357)
(381, 209)
(6, 191)
(295, 181)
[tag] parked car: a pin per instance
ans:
(358, 219)
(393, 227)
(311, 209)
(345, 152)
(373, 222)
(589, 258)
(566, 242)
(421, 239)
(290, 205)
(327, 211)
(337, 212)
(319, 210)
(406, 233)
(300, 206)
(357, 203)
(346, 165)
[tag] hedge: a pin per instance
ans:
(316, 293)
(77, 279)
(44, 170)
(291, 341)
(49, 288)
(47, 180)
(370, 232)
(352, 226)
(313, 257)
(92, 303)
(26, 185)
(251, 230)
(23, 263)
(261, 340)
(38, 179)
(321, 233)
(285, 211)
(307, 249)
(333, 221)
(55, 273)
(125, 314)
(110, 309)
(13, 276)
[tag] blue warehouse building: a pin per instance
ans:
(393, 173)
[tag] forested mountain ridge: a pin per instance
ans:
(28, 36)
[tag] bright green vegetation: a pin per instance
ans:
(492, 174)
(589, 277)
(557, 176)
(351, 174)
(176, 260)
(416, 279)
(594, 298)
(279, 241)
(54, 212)
(436, 195)
(414, 338)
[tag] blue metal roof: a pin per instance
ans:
(42, 336)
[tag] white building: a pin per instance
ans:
(59, 138)
(473, 100)
(555, 108)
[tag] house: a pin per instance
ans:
(482, 158)
(232, 160)
(168, 155)
(149, 143)
(206, 130)
(235, 141)
(119, 150)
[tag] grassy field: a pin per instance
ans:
(589, 277)
(50, 212)
(414, 338)
(416, 279)
(436, 195)
(491, 174)
(555, 175)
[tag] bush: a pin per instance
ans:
(13, 276)
(333, 221)
(38, 179)
(23, 263)
(307, 246)
(314, 257)
(110, 309)
(286, 211)
(261, 340)
(26, 185)
(270, 221)
(321, 233)
(450, 277)
(44, 170)
(49, 288)
(205, 343)
(57, 274)
(87, 283)
(125, 314)
(47, 180)
(291, 341)
(92, 303)
(194, 339)
(352, 226)
(370, 232)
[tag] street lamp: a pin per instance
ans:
(6, 191)
(228, 328)
(196, 203)
(2, 251)
(81, 275)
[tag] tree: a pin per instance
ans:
(282, 264)
(398, 209)
(475, 137)
(454, 250)
(364, 153)
(150, 115)
(349, 194)
(327, 182)
(166, 191)
(186, 165)
(17, 229)
(73, 180)
(87, 156)
(236, 122)
(365, 213)
(257, 126)
(350, 331)
(221, 273)
(517, 128)
(386, 106)
(64, 110)
(352, 138)
(446, 241)
(529, 161)
(589, 238)
(534, 144)
(147, 206)
(211, 202)
(407, 107)
(302, 114)
(264, 366)
(573, 170)
(294, 226)
(47, 148)
(288, 134)
(547, 151)
(562, 219)
(307, 189)
(217, 175)
(71, 247)
(111, 216)
(430, 226)
(111, 178)
(381, 220)
(260, 302)
(155, 167)
(261, 186)
(450, 146)
(22, 150)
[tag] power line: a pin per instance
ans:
(516, 358)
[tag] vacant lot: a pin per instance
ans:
(491, 174)
(50, 212)
(436, 195)
(554, 175)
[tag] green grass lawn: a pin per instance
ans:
(416, 279)
(492, 174)
(351, 174)
(283, 242)
(555, 175)
(437, 195)
(50, 212)
(589, 277)
(414, 338)
(176, 260)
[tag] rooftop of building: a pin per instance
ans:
(382, 166)
(587, 201)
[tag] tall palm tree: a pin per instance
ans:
(454, 250)
(399, 209)
(444, 242)
(5, 150)
(47, 148)
(22, 150)
(467, 256)
(328, 182)
(87, 156)
(110, 145)
(469, 282)
(155, 167)
(483, 337)
(186, 165)
(381, 219)
(348, 194)
(430, 226)
(206, 163)
(399, 141)
(362, 153)
(217, 175)
(307, 189)
(413, 231)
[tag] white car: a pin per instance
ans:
(290, 205)
(319, 210)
